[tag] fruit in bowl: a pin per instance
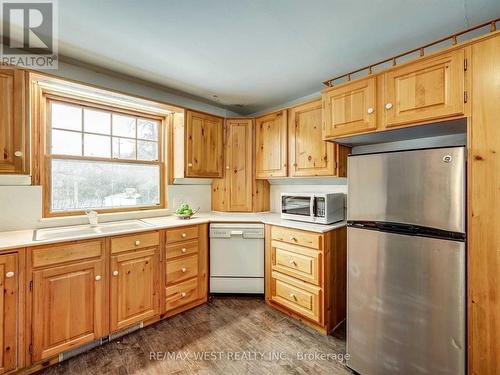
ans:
(184, 211)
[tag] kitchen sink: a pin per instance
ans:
(77, 231)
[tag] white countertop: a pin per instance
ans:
(24, 238)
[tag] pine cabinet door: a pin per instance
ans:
(204, 145)
(426, 90)
(135, 287)
(68, 307)
(350, 109)
(271, 159)
(14, 155)
(8, 312)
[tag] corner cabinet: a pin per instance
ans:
(204, 145)
(309, 155)
(14, 127)
(271, 158)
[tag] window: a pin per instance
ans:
(101, 158)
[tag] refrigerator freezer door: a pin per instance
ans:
(420, 187)
(406, 304)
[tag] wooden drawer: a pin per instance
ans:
(181, 269)
(68, 252)
(301, 298)
(297, 237)
(181, 294)
(134, 241)
(182, 234)
(181, 249)
(296, 261)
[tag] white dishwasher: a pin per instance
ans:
(237, 258)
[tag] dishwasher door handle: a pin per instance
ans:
(236, 233)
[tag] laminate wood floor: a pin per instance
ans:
(240, 335)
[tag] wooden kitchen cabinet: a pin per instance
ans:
(239, 191)
(9, 281)
(425, 90)
(350, 108)
(68, 291)
(309, 154)
(204, 145)
(14, 127)
(135, 292)
(271, 156)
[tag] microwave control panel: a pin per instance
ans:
(319, 207)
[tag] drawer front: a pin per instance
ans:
(181, 249)
(56, 254)
(303, 301)
(182, 234)
(181, 294)
(134, 241)
(182, 269)
(296, 237)
(296, 261)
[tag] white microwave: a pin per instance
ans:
(322, 208)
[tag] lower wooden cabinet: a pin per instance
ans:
(68, 297)
(306, 275)
(9, 282)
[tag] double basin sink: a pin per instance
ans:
(77, 231)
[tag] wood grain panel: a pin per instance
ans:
(183, 268)
(181, 294)
(182, 234)
(297, 237)
(271, 156)
(67, 252)
(296, 261)
(9, 312)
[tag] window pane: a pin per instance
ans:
(97, 145)
(123, 148)
(97, 121)
(147, 150)
(147, 129)
(123, 126)
(66, 143)
(66, 116)
(78, 184)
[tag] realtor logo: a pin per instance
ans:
(29, 34)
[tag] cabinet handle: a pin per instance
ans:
(98, 277)
(183, 269)
(115, 273)
(183, 235)
(183, 294)
(370, 110)
(388, 106)
(227, 166)
(292, 262)
(9, 274)
(183, 250)
(137, 243)
(292, 238)
(292, 296)
(18, 154)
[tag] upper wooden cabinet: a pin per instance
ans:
(425, 90)
(350, 108)
(271, 145)
(9, 281)
(204, 148)
(309, 155)
(14, 142)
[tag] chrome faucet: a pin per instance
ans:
(92, 216)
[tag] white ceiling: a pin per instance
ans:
(255, 53)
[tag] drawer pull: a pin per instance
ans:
(292, 262)
(183, 250)
(388, 106)
(183, 269)
(98, 277)
(292, 296)
(370, 110)
(115, 273)
(292, 238)
(9, 274)
(137, 243)
(183, 294)
(183, 235)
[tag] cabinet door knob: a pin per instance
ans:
(183, 235)
(388, 106)
(115, 273)
(98, 277)
(292, 296)
(137, 243)
(183, 269)
(190, 164)
(183, 250)
(9, 274)
(370, 110)
(183, 294)
(18, 154)
(227, 166)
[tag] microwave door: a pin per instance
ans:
(297, 207)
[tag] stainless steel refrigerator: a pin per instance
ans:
(406, 262)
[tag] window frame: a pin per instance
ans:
(41, 107)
